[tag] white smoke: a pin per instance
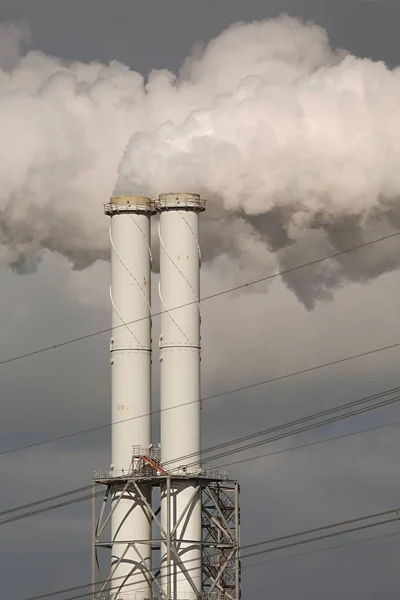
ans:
(296, 147)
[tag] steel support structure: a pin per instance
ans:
(220, 542)
(221, 539)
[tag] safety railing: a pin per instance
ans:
(147, 470)
(146, 462)
(141, 596)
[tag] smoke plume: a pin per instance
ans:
(295, 145)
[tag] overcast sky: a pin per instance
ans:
(246, 338)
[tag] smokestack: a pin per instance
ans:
(180, 387)
(192, 566)
(130, 347)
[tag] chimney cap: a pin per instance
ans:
(129, 203)
(180, 200)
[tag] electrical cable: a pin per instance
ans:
(268, 550)
(298, 421)
(385, 425)
(44, 500)
(301, 430)
(241, 449)
(314, 443)
(327, 549)
(205, 298)
(336, 524)
(203, 399)
(296, 431)
(322, 537)
(101, 493)
(48, 508)
(251, 436)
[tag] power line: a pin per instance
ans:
(282, 558)
(265, 551)
(233, 451)
(44, 500)
(288, 424)
(48, 508)
(303, 371)
(299, 430)
(335, 525)
(203, 399)
(314, 443)
(303, 429)
(276, 428)
(240, 449)
(243, 460)
(322, 537)
(327, 549)
(204, 299)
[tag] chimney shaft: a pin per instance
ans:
(180, 383)
(130, 347)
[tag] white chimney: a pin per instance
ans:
(131, 384)
(180, 384)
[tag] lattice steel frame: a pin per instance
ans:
(221, 539)
(220, 543)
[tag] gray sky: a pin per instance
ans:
(68, 389)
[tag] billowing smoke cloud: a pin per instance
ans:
(296, 147)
